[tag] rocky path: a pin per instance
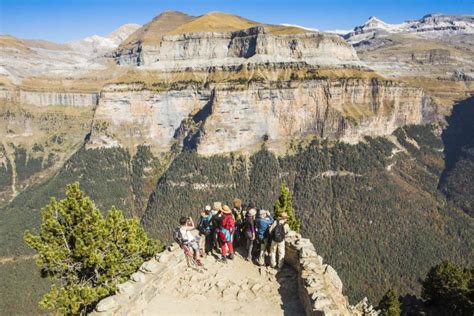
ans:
(236, 288)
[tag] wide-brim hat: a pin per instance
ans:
(226, 210)
(283, 215)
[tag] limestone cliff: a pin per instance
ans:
(231, 117)
(176, 40)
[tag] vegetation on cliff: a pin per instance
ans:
(285, 204)
(105, 175)
(389, 305)
(85, 253)
(449, 289)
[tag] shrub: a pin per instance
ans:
(389, 305)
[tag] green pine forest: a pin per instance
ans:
(382, 215)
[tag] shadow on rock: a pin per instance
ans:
(287, 277)
(457, 179)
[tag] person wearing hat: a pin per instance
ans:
(249, 232)
(225, 232)
(205, 230)
(278, 230)
(263, 223)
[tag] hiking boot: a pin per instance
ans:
(222, 260)
(231, 256)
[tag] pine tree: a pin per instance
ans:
(449, 289)
(285, 204)
(389, 305)
(85, 253)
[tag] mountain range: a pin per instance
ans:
(371, 130)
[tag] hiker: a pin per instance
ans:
(238, 217)
(186, 237)
(278, 231)
(225, 232)
(263, 223)
(249, 232)
(216, 222)
(205, 230)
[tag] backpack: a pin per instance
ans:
(228, 222)
(177, 236)
(279, 233)
(205, 226)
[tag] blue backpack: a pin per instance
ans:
(204, 226)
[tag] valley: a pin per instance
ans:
(371, 131)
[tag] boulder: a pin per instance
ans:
(126, 288)
(150, 266)
(106, 304)
(334, 279)
(138, 277)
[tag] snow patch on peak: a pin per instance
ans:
(97, 44)
(437, 24)
(301, 27)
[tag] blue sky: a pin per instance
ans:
(63, 20)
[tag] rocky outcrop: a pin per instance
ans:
(319, 286)
(132, 296)
(226, 48)
(336, 109)
(231, 118)
(145, 117)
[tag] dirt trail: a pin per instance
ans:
(236, 288)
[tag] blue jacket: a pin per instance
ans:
(263, 226)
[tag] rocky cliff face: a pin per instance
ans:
(226, 118)
(49, 98)
(223, 48)
(130, 117)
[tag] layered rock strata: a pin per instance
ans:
(226, 118)
(48, 98)
(221, 48)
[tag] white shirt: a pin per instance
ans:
(186, 234)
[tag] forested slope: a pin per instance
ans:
(372, 209)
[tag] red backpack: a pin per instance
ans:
(228, 222)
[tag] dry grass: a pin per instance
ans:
(176, 23)
(215, 22)
(152, 32)
(7, 41)
(444, 92)
(154, 80)
(93, 81)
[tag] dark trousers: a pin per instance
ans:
(249, 246)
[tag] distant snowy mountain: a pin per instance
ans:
(431, 25)
(97, 44)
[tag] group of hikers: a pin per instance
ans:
(222, 230)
